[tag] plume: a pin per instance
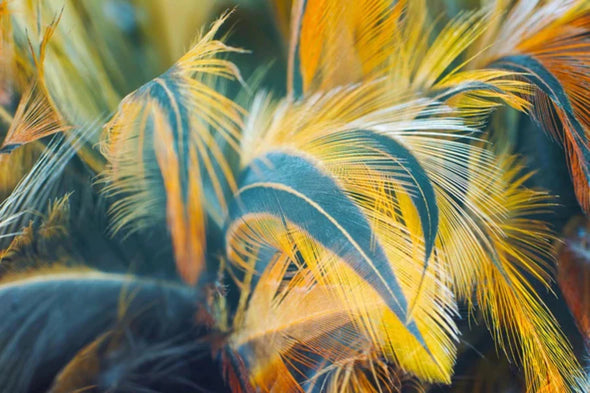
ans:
(334, 132)
(395, 42)
(328, 236)
(547, 42)
(161, 155)
(358, 244)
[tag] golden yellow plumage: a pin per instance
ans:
(329, 236)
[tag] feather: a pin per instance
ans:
(353, 141)
(484, 242)
(397, 43)
(548, 44)
(34, 119)
(499, 254)
(343, 222)
(299, 318)
(31, 358)
(329, 35)
(160, 155)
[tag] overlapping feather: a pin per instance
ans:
(379, 178)
(396, 43)
(474, 225)
(366, 202)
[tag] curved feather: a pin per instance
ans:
(476, 208)
(309, 309)
(35, 118)
(365, 204)
(475, 224)
(276, 181)
(334, 97)
(548, 44)
(384, 155)
(313, 173)
(165, 151)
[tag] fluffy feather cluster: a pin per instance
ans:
(318, 196)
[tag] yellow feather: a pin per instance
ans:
(321, 128)
(321, 309)
(35, 118)
(496, 249)
(333, 35)
(153, 124)
(482, 206)
(548, 42)
(340, 43)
